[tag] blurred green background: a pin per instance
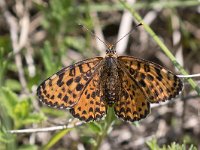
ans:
(38, 38)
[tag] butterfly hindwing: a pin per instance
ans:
(90, 107)
(63, 89)
(133, 104)
(157, 83)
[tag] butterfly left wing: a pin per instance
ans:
(90, 107)
(157, 83)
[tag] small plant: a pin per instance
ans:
(153, 145)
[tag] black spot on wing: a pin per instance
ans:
(69, 82)
(60, 80)
(79, 87)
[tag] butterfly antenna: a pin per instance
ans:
(93, 34)
(128, 33)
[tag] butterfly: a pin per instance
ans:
(126, 83)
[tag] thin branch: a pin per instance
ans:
(189, 76)
(47, 129)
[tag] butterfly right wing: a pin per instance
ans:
(133, 104)
(64, 88)
(158, 83)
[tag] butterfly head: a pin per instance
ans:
(110, 50)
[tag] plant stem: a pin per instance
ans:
(107, 124)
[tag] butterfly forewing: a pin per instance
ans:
(64, 88)
(157, 83)
(90, 107)
(132, 105)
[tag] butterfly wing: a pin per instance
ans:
(133, 104)
(157, 83)
(90, 107)
(64, 89)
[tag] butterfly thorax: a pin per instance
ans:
(109, 78)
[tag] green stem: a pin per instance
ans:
(107, 124)
(161, 44)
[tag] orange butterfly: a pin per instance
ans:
(129, 84)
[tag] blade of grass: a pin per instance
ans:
(161, 44)
(56, 138)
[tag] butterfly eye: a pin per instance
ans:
(110, 49)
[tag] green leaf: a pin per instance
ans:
(9, 99)
(89, 140)
(13, 85)
(33, 118)
(5, 137)
(136, 123)
(22, 109)
(7, 140)
(53, 112)
(47, 57)
(152, 144)
(95, 127)
(77, 43)
(56, 138)
(3, 64)
(28, 147)
(18, 109)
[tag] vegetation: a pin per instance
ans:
(38, 38)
